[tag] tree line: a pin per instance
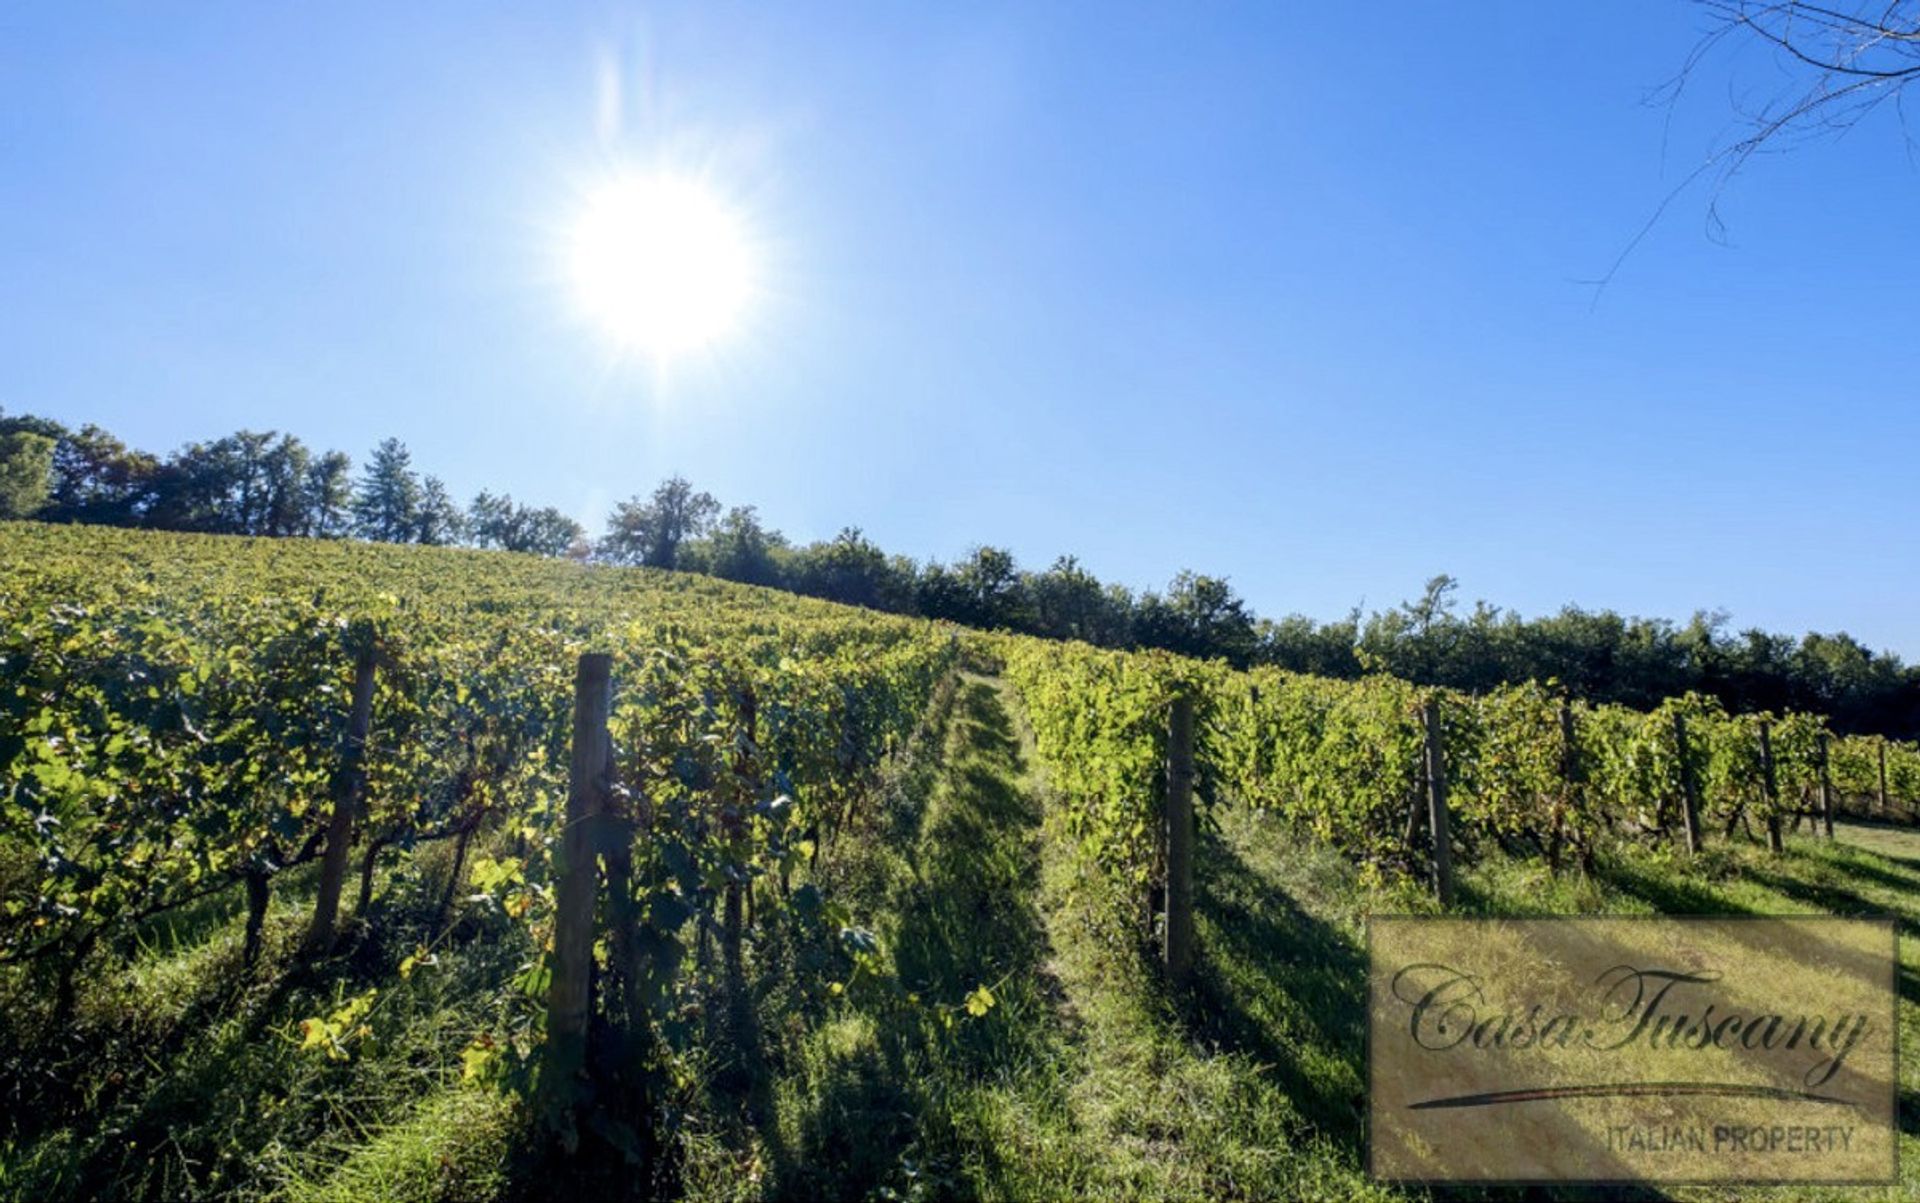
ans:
(256, 483)
(272, 484)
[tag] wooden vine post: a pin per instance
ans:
(349, 783)
(1883, 776)
(735, 808)
(1178, 947)
(621, 1067)
(1571, 778)
(1767, 782)
(569, 998)
(1569, 750)
(1826, 790)
(620, 826)
(1689, 787)
(1437, 824)
(741, 793)
(258, 883)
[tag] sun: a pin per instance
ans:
(661, 264)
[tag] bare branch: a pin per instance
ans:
(1841, 60)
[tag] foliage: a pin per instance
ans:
(269, 484)
(386, 505)
(497, 521)
(26, 470)
(652, 531)
(173, 715)
(1529, 768)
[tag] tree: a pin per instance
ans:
(994, 589)
(1413, 640)
(651, 532)
(853, 571)
(496, 521)
(436, 520)
(491, 520)
(1067, 600)
(386, 506)
(740, 549)
(987, 589)
(191, 490)
(46, 427)
(1200, 616)
(282, 476)
(1833, 674)
(248, 483)
(326, 496)
(97, 478)
(1832, 64)
(1298, 644)
(547, 532)
(939, 593)
(26, 473)
(1434, 605)
(1836, 61)
(1762, 664)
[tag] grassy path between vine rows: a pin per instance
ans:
(1084, 1078)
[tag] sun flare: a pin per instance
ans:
(661, 264)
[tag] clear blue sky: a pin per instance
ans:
(1285, 293)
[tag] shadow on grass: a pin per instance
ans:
(1909, 863)
(1909, 986)
(1897, 880)
(1829, 897)
(125, 1038)
(190, 1084)
(965, 918)
(1279, 984)
(1288, 988)
(1665, 890)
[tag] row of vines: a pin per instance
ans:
(176, 720)
(1529, 770)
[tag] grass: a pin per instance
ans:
(1086, 1076)
(181, 1075)
(448, 1146)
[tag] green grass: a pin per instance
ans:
(1085, 1078)
(449, 1146)
(181, 1075)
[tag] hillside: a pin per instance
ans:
(884, 899)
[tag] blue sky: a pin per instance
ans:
(1291, 294)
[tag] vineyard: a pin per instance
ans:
(180, 721)
(1360, 766)
(339, 870)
